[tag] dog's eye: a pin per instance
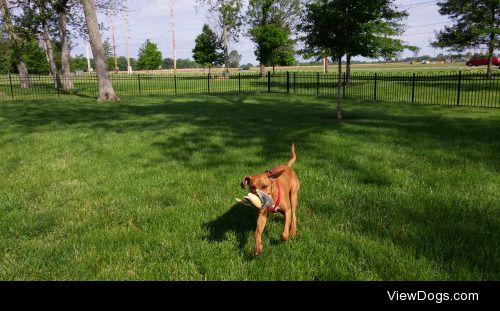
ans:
(264, 186)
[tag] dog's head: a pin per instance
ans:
(262, 181)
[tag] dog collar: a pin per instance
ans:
(274, 209)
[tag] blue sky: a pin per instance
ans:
(150, 19)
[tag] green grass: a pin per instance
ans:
(144, 189)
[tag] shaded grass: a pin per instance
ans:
(145, 188)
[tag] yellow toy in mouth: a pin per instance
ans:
(261, 201)
(251, 200)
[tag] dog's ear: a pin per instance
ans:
(245, 182)
(276, 172)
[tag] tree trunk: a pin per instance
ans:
(325, 64)
(24, 76)
(226, 52)
(50, 55)
(491, 49)
(262, 68)
(65, 68)
(106, 91)
(339, 89)
(348, 70)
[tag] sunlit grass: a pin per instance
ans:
(144, 189)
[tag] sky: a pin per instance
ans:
(150, 19)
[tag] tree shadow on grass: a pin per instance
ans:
(273, 123)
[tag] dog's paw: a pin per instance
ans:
(284, 237)
(257, 251)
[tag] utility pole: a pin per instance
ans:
(89, 68)
(113, 39)
(125, 21)
(172, 17)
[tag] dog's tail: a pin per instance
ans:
(292, 160)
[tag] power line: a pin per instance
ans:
(424, 25)
(417, 34)
(425, 3)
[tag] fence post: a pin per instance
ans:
(139, 83)
(294, 81)
(459, 86)
(413, 89)
(288, 82)
(317, 84)
(58, 84)
(11, 87)
(269, 82)
(343, 88)
(239, 82)
(175, 84)
(375, 88)
(208, 79)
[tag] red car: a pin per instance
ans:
(482, 60)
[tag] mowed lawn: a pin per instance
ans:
(145, 189)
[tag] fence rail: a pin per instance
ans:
(451, 88)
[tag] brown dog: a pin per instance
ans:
(282, 184)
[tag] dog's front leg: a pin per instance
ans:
(261, 223)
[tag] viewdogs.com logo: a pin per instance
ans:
(431, 297)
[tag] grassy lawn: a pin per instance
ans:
(145, 188)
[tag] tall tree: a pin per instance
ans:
(234, 59)
(206, 48)
(475, 22)
(273, 45)
(378, 37)
(106, 91)
(347, 27)
(271, 23)
(149, 56)
(62, 9)
(39, 19)
(16, 44)
(42, 16)
(35, 58)
(229, 19)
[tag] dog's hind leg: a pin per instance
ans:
(294, 199)
(288, 219)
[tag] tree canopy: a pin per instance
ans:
(229, 19)
(350, 27)
(234, 59)
(475, 23)
(149, 56)
(206, 48)
(273, 45)
(271, 24)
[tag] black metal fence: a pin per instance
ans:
(441, 88)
